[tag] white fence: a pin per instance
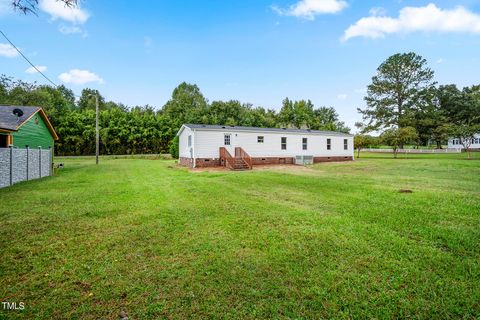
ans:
(419, 151)
(18, 165)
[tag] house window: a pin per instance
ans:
(345, 144)
(226, 139)
(329, 144)
(189, 141)
(284, 143)
(304, 143)
(260, 139)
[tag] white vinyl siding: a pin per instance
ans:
(455, 143)
(185, 143)
(208, 142)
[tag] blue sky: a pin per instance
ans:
(257, 51)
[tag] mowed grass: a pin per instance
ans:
(335, 240)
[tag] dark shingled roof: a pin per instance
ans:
(256, 129)
(9, 121)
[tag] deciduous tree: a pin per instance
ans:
(397, 137)
(296, 114)
(362, 141)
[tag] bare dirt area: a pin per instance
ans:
(283, 167)
(274, 167)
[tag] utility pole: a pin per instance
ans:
(97, 135)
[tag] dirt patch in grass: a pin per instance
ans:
(275, 167)
(282, 167)
(211, 169)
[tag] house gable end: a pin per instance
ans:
(33, 133)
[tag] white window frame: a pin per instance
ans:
(260, 139)
(329, 144)
(345, 144)
(304, 143)
(283, 145)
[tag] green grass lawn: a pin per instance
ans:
(335, 240)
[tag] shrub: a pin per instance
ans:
(174, 147)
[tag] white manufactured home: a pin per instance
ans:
(243, 147)
(455, 143)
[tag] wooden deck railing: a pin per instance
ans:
(240, 153)
(226, 158)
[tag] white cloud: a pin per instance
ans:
(308, 9)
(7, 50)
(378, 11)
(342, 96)
(360, 90)
(32, 70)
(58, 10)
(440, 61)
(429, 18)
(77, 76)
(72, 30)
(69, 30)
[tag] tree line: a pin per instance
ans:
(147, 129)
(403, 103)
(406, 105)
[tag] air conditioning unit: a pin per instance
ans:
(303, 160)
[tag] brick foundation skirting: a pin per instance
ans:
(186, 162)
(199, 162)
(273, 160)
(329, 159)
(212, 162)
(205, 163)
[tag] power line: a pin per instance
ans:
(48, 79)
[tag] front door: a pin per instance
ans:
(3, 140)
(228, 143)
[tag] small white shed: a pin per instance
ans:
(243, 147)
